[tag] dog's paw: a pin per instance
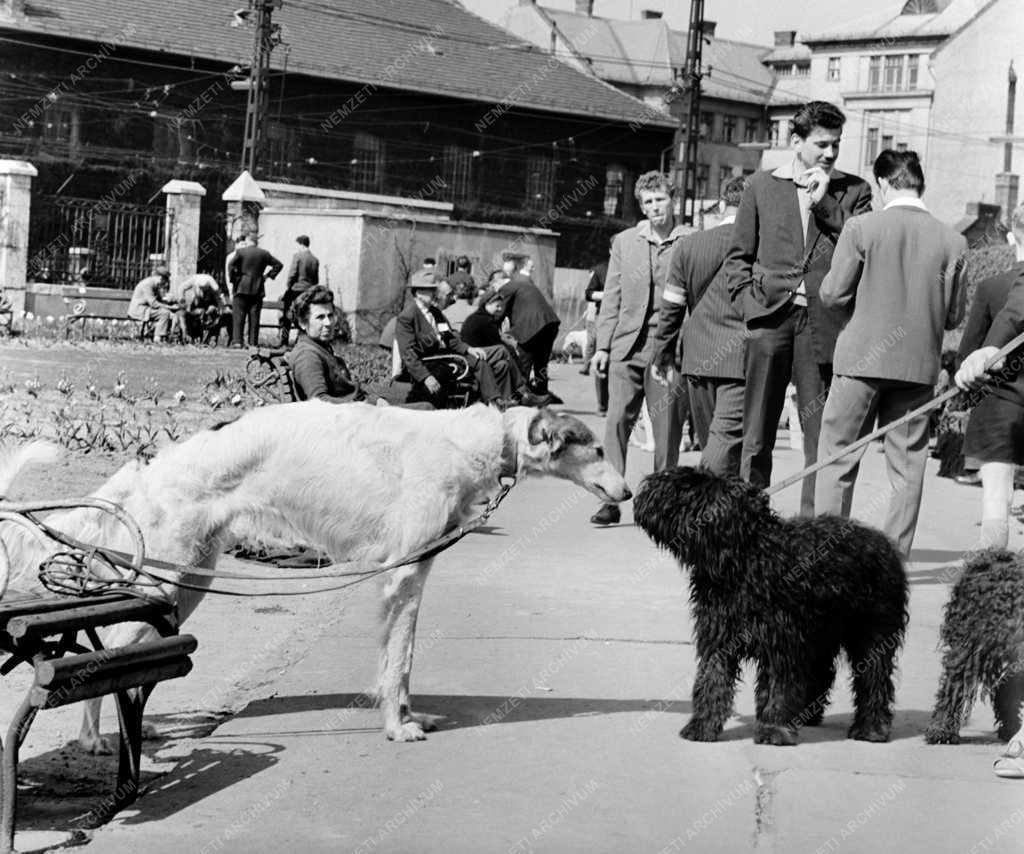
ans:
(862, 732)
(698, 730)
(779, 736)
(409, 731)
(938, 735)
(97, 745)
(428, 723)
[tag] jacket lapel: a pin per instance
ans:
(836, 191)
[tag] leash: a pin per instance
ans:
(899, 422)
(72, 571)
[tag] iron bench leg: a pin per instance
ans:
(16, 734)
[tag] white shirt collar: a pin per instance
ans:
(905, 202)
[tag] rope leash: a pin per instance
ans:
(78, 570)
(899, 422)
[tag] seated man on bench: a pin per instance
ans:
(422, 330)
(151, 305)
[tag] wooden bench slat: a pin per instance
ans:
(87, 616)
(96, 664)
(26, 603)
(51, 698)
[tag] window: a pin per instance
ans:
(871, 149)
(57, 124)
(875, 74)
(707, 125)
(833, 69)
(784, 70)
(912, 62)
(649, 15)
(613, 186)
(901, 146)
(540, 181)
(703, 171)
(281, 145)
(802, 70)
(457, 171)
(367, 164)
(886, 141)
(750, 130)
(728, 128)
(724, 174)
(892, 78)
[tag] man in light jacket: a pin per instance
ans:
(900, 276)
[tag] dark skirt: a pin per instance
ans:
(995, 431)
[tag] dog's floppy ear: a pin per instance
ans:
(544, 430)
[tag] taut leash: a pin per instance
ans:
(881, 431)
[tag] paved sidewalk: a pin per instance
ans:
(561, 656)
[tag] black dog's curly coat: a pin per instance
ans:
(788, 594)
(983, 640)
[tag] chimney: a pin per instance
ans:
(585, 7)
(709, 28)
(785, 38)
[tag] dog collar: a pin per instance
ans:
(509, 458)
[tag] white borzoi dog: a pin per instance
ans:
(362, 483)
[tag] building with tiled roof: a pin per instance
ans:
(387, 98)
(645, 58)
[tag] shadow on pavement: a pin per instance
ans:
(940, 575)
(461, 711)
(936, 556)
(906, 724)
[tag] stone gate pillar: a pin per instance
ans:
(15, 199)
(184, 200)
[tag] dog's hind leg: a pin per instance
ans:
(713, 692)
(822, 676)
(1006, 704)
(873, 660)
(402, 597)
(953, 700)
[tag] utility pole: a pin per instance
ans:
(265, 38)
(690, 126)
(1007, 182)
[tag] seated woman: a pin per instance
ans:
(318, 371)
(483, 327)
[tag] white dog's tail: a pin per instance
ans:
(13, 460)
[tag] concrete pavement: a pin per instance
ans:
(561, 656)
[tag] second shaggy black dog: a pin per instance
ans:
(788, 594)
(983, 638)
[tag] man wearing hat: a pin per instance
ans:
(248, 269)
(150, 303)
(422, 330)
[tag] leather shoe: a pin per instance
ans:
(971, 478)
(528, 398)
(607, 515)
(553, 398)
(585, 372)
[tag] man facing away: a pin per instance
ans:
(248, 269)
(714, 337)
(900, 276)
(785, 232)
(626, 322)
(303, 273)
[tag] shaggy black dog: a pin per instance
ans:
(785, 593)
(983, 638)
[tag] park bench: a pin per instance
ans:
(43, 631)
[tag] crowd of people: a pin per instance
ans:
(803, 285)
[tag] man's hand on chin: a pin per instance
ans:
(816, 180)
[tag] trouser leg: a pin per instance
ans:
(625, 397)
(849, 414)
(668, 407)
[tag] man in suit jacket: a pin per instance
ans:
(900, 277)
(714, 337)
(303, 274)
(247, 271)
(532, 322)
(785, 232)
(637, 272)
(422, 330)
